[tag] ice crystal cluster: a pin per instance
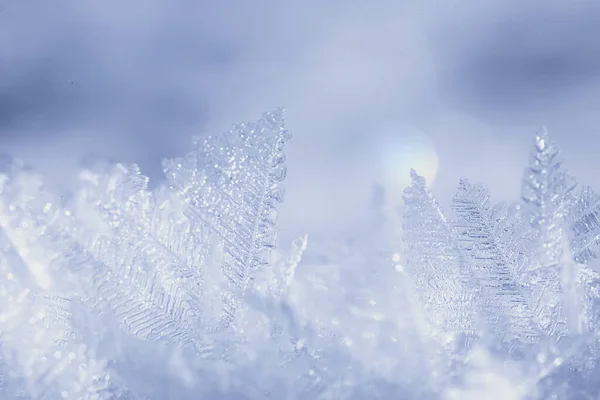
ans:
(179, 290)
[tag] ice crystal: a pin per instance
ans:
(548, 193)
(501, 301)
(441, 272)
(585, 226)
(125, 290)
(232, 199)
(526, 291)
(169, 265)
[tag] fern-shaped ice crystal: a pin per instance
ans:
(439, 269)
(230, 187)
(502, 301)
(548, 192)
(179, 257)
(585, 226)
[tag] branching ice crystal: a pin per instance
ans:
(442, 274)
(523, 283)
(170, 264)
(585, 227)
(119, 290)
(153, 277)
(501, 300)
(230, 189)
(548, 193)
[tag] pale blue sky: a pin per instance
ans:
(134, 80)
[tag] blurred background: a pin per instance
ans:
(371, 89)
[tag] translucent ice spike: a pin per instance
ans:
(501, 299)
(547, 193)
(153, 278)
(441, 273)
(584, 221)
(230, 188)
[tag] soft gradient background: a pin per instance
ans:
(370, 88)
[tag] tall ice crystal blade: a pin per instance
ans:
(548, 194)
(230, 186)
(501, 300)
(585, 226)
(436, 264)
(153, 279)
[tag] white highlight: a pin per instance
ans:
(403, 148)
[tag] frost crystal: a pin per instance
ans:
(229, 186)
(442, 274)
(548, 192)
(170, 264)
(122, 290)
(585, 227)
(501, 300)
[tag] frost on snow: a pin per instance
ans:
(180, 291)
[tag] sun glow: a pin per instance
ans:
(401, 149)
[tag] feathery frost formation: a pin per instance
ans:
(502, 303)
(531, 287)
(436, 263)
(548, 194)
(180, 291)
